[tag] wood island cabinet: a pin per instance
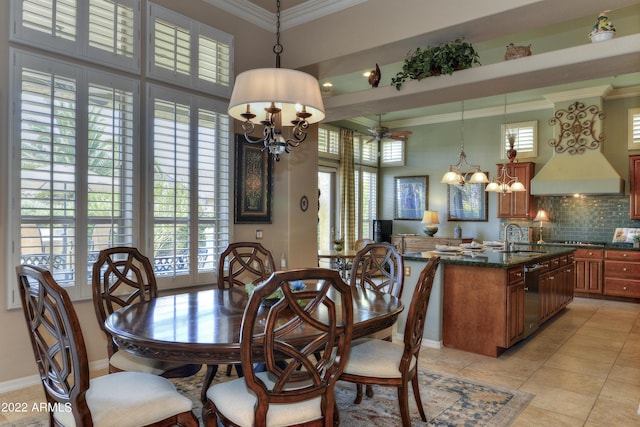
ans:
(634, 186)
(588, 270)
(518, 204)
(515, 306)
(413, 244)
(484, 307)
(622, 273)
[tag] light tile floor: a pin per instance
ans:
(583, 367)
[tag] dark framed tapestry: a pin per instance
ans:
(468, 202)
(410, 194)
(252, 183)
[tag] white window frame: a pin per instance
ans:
(78, 48)
(520, 128)
(333, 142)
(86, 74)
(208, 274)
(195, 30)
(392, 146)
(79, 287)
(634, 129)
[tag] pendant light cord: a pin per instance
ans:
(277, 48)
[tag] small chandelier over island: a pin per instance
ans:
(457, 174)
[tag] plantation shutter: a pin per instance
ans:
(190, 54)
(392, 153)
(48, 176)
(171, 181)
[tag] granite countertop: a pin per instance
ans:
(497, 258)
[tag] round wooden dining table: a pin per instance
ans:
(204, 326)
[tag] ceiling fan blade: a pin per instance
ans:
(402, 133)
(371, 140)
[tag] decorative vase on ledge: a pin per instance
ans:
(602, 30)
(601, 36)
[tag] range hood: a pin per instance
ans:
(587, 173)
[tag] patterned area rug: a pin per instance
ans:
(448, 401)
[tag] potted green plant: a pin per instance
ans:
(433, 61)
(417, 66)
(338, 245)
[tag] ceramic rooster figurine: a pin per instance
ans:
(374, 77)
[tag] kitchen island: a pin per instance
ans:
(486, 301)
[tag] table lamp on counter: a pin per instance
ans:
(541, 216)
(430, 219)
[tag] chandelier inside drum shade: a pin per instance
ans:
(286, 98)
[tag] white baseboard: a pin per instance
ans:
(24, 382)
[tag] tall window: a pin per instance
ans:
(366, 185)
(190, 171)
(74, 133)
(83, 165)
(366, 160)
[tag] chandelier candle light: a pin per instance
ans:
(456, 175)
(429, 219)
(286, 96)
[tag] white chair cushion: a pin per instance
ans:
(236, 401)
(130, 362)
(129, 399)
(375, 358)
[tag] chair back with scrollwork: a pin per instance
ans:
(300, 369)
(379, 266)
(57, 341)
(121, 276)
(242, 263)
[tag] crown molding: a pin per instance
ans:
(292, 17)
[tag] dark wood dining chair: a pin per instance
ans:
(297, 385)
(239, 264)
(381, 362)
(122, 398)
(123, 276)
(244, 262)
(379, 266)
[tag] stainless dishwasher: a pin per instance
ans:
(531, 298)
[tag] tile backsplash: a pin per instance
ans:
(585, 218)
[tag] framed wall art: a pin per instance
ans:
(468, 202)
(410, 195)
(252, 183)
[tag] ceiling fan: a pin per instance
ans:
(380, 132)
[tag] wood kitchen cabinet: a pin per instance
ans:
(518, 204)
(634, 186)
(515, 306)
(413, 244)
(556, 285)
(622, 273)
(588, 270)
(485, 310)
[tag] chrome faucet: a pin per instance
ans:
(507, 245)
